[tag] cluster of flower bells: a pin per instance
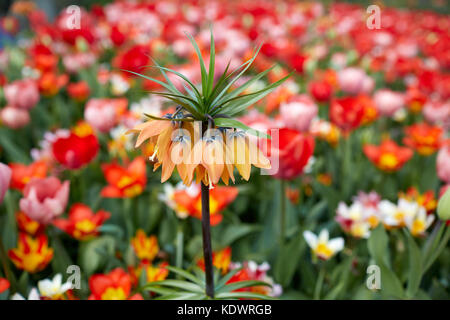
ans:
(211, 153)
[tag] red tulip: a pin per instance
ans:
(78, 149)
(124, 182)
(320, 90)
(388, 156)
(22, 174)
(134, 59)
(293, 152)
(115, 285)
(82, 223)
(347, 113)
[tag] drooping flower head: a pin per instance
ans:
(212, 150)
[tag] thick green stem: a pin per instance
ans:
(207, 248)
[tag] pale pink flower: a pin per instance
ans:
(298, 112)
(437, 112)
(351, 80)
(443, 164)
(22, 94)
(368, 84)
(339, 60)
(76, 61)
(45, 199)
(388, 102)
(14, 118)
(5, 178)
(103, 114)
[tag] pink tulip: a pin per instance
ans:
(339, 60)
(22, 94)
(298, 113)
(45, 199)
(76, 61)
(443, 164)
(351, 80)
(368, 84)
(388, 102)
(5, 177)
(437, 111)
(103, 114)
(14, 118)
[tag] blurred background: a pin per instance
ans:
(52, 7)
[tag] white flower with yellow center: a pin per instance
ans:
(53, 289)
(32, 295)
(168, 197)
(323, 247)
(418, 224)
(396, 215)
(360, 230)
(119, 85)
(355, 212)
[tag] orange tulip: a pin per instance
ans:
(221, 260)
(146, 248)
(219, 199)
(125, 182)
(22, 174)
(424, 138)
(115, 285)
(82, 224)
(32, 254)
(27, 225)
(388, 156)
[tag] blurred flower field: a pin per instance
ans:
(356, 205)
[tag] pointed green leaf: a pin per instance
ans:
(186, 275)
(233, 123)
(415, 266)
(242, 284)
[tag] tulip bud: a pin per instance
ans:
(443, 209)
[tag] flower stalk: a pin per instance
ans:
(206, 235)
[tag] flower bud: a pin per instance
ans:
(443, 209)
